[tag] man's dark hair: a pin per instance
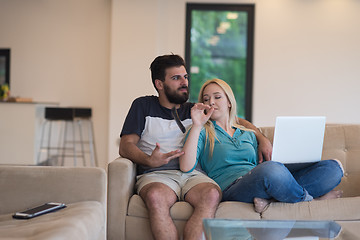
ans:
(161, 63)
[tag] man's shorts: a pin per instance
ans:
(177, 180)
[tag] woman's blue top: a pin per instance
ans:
(232, 157)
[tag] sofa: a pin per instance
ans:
(83, 190)
(128, 216)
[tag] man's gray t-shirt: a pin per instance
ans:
(154, 123)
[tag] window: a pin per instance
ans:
(219, 44)
(4, 66)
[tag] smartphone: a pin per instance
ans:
(37, 211)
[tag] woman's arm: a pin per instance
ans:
(264, 147)
(199, 118)
(188, 159)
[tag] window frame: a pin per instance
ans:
(250, 9)
(5, 52)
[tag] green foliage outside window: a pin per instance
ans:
(219, 50)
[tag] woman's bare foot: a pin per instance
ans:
(331, 195)
(260, 204)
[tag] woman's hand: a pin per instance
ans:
(200, 114)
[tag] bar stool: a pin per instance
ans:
(76, 118)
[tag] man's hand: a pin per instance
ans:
(128, 148)
(158, 158)
(198, 115)
(264, 149)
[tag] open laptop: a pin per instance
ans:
(298, 141)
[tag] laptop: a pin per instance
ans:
(298, 141)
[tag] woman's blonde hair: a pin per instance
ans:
(233, 119)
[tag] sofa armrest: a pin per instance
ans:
(121, 181)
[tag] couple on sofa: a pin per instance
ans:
(227, 148)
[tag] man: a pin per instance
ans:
(153, 140)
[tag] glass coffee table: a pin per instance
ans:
(237, 229)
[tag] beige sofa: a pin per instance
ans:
(128, 216)
(83, 190)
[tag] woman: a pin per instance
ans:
(227, 152)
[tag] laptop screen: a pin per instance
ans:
(298, 139)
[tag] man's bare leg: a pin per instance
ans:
(205, 198)
(159, 198)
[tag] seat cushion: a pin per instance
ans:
(332, 209)
(81, 220)
(236, 210)
(350, 229)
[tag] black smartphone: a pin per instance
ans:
(39, 210)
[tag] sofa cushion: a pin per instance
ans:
(235, 210)
(82, 220)
(350, 230)
(333, 209)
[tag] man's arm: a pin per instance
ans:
(130, 150)
(265, 147)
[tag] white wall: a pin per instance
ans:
(306, 56)
(306, 60)
(60, 53)
(141, 30)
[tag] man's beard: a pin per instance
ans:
(175, 97)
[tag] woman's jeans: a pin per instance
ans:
(273, 180)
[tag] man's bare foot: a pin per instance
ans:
(260, 204)
(331, 195)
